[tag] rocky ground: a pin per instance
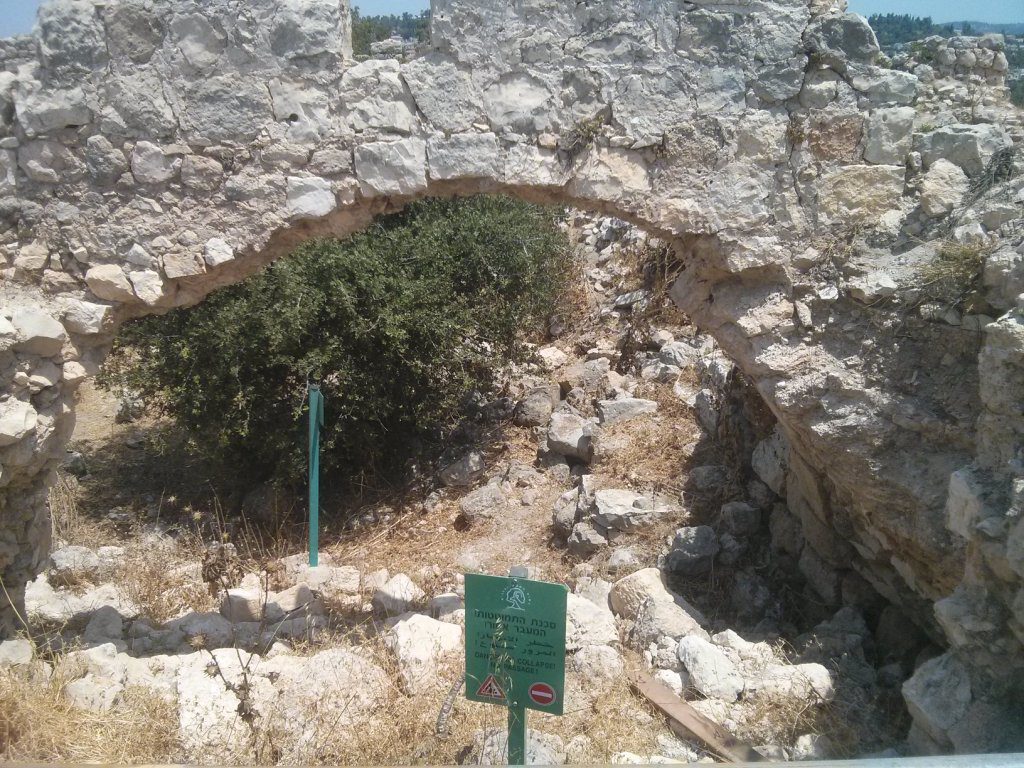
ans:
(629, 460)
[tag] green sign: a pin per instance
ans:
(515, 642)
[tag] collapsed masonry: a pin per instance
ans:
(152, 152)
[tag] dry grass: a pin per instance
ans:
(69, 524)
(38, 724)
(162, 580)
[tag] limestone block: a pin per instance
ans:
(861, 193)
(444, 93)
(588, 624)
(397, 595)
(32, 257)
(199, 42)
(48, 110)
(17, 421)
(659, 619)
(104, 161)
(711, 672)
(109, 282)
(622, 510)
(942, 188)
(873, 287)
(465, 471)
(376, 99)
(203, 174)
(889, 135)
(585, 540)
(421, 645)
(571, 436)
(527, 164)
(392, 168)
(612, 174)
(49, 162)
(839, 39)
(86, 317)
(625, 409)
(521, 103)
(309, 197)
(770, 461)
(217, 252)
(968, 146)
(147, 285)
(693, 551)
(885, 87)
(938, 696)
(464, 155)
(38, 332)
(132, 33)
(151, 166)
(136, 106)
(483, 503)
(966, 505)
(8, 171)
(226, 107)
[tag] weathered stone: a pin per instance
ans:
(421, 645)
(622, 510)
(38, 332)
(15, 653)
(392, 168)
(711, 672)
(889, 136)
(664, 618)
(585, 540)
(693, 551)
(571, 436)
(464, 155)
(465, 471)
(483, 503)
(588, 624)
(942, 188)
(310, 197)
(151, 166)
(970, 147)
(770, 461)
(625, 409)
(109, 282)
(397, 595)
(861, 193)
(938, 696)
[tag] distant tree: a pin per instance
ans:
(968, 29)
(372, 29)
(894, 28)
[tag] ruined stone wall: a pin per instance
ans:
(973, 59)
(151, 152)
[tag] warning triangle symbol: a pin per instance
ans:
(490, 689)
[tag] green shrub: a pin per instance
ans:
(400, 323)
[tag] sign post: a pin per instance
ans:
(515, 649)
(316, 422)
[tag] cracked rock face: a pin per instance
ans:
(150, 154)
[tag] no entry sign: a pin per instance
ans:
(515, 642)
(542, 694)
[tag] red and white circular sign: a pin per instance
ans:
(542, 694)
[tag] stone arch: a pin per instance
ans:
(150, 153)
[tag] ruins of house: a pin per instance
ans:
(150, 153)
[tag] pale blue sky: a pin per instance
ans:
(16, 16)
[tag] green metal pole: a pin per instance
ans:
(316, 421)
(516, 733)
(516, 709)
